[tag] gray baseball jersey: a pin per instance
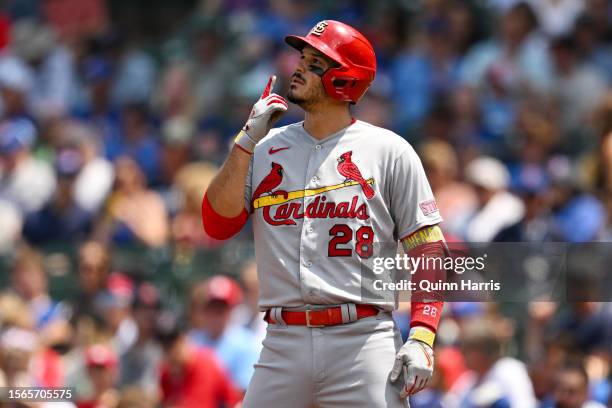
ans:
(319, 206)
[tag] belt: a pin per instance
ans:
(330, 316)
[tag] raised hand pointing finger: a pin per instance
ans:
(268, 89)
(265, 112)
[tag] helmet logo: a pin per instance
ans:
(319, 28)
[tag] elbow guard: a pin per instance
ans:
(218, 226)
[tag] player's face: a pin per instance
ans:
(306, 88)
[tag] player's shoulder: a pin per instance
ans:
(382, 138)
(283, 132)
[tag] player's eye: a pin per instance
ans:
(316, 69)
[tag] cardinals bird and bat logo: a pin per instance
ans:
(289, 208)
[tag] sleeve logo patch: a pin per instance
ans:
(429, 206)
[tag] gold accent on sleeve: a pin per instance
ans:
(426, 235)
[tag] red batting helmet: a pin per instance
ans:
(347, 47)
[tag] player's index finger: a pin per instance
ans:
(268, 89)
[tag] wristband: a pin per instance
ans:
(426, 314)
(422, 334)
(244, 142)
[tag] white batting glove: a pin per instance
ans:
(415, 360)
(265, 112)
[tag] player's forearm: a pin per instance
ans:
(426, 307)
(226, 191)
(223, 207)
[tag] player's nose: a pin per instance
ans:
(300, 67)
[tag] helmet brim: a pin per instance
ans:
(299, 43)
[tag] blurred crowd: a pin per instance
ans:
(110, 133)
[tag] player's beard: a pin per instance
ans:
(311, 96)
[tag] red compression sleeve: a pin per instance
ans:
(218, 226)
(426, 307)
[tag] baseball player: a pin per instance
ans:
(321, 193)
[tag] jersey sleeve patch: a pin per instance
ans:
(428, 206)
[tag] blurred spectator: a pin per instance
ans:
(134, 213)
(584, 325)
(95, 179)
(494, 381)
(507, 68)
(93, 269)
(14, 312)
(467, 132)
(212, 70)
(530, 180)
(17, 347)
(497, 208)
(26, 181)
(190, 184)
(428, 71)
(190, 377)
(515, 59)
(63, 217)
(134, 397)
(210, 310)
(248, 314)
(29, 281)
(591, 46)
(137, 141)
(139, 366)
(11, 223)
(602, 159)
(52, 67)
(5, 26)
(93, 102)
(177, 134)
(579, 216)
(16, 81)
(101, 362)
(606, 233)
(175, 96)
(25, 359)
(577, 87)
(537, 223)
(135, 70)
(114, 305)
(572, 390)
(456, 200)
(557, 17)
(537, 136)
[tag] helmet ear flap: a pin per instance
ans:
(344, 83)
(338, 85)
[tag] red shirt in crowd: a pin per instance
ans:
(203, 384)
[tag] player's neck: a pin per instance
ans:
(322, 123)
